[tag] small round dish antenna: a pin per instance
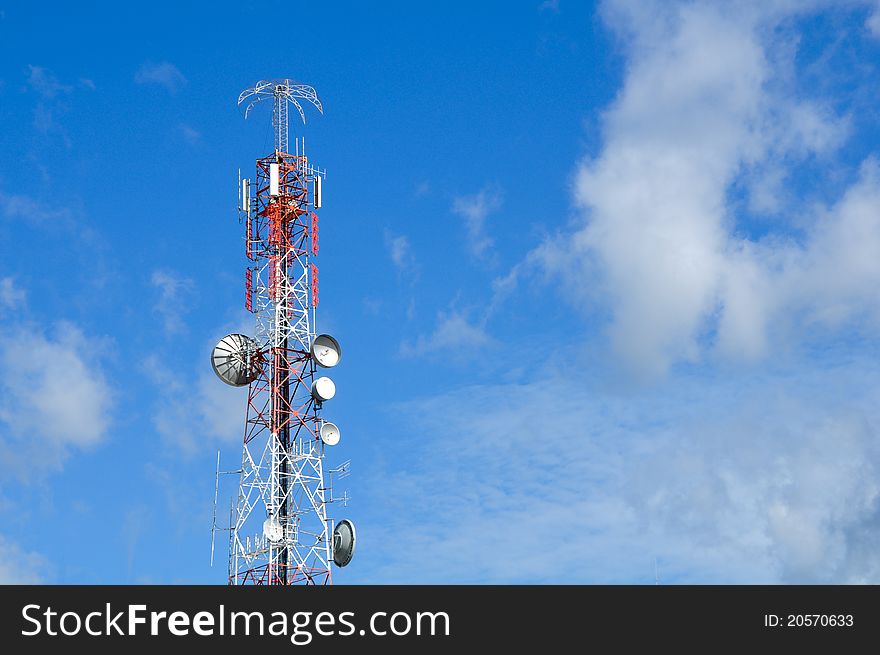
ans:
(326, 351)
(234, 360)
(343, 542)
(323, 389)
(329, 433)
(272, 529)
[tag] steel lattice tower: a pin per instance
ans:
(280, 531)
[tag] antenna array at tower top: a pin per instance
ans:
(282, 92)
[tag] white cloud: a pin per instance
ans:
(18, 566)
(55, 398)
(475, 209)
(55, 391)
(705, 102)
(164, 74)
(171, 303)
(759, 478)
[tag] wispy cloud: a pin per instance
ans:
(18, 566)
(11, 296)
(371, 306)
(164, 74)
(423, 189)
(453, 334)
(19, 206)
(45, 83)
(135, 523)
(190, 134)
(50, 105)
(475, 210)
(400, 252)
(722, 478)
(873, 21)
(195, 412)
(173, 290)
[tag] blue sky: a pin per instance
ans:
(605, 277)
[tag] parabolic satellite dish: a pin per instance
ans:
(329, 433)
(234, 360)
(323, 389)
(272, 529)
(326, 351)
(343, 542)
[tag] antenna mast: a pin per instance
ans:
(280, 532)
(282, 93)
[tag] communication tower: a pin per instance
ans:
(280, 532)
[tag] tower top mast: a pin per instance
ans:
(282, 92)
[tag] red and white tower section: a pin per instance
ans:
(280, 531)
